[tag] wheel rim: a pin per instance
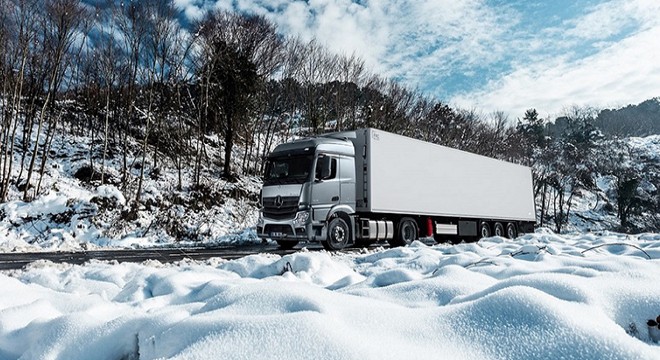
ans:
(408, 232)
(511, 231)
(499, 230)
(338, 234)
(485, 231)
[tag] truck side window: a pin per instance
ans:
(326, 167)
(333, 168)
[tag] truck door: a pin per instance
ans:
(326, 187)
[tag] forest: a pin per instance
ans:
(149, 88)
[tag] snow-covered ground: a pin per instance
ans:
(595, 210)
(69, 213)
(537, 297)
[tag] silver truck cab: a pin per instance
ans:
(307, 183)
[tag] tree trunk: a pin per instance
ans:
(229, 145)
(105, 133)
(50, 134)
(36, 147)
(144, 147)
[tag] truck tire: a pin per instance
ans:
(499, 229)
(484, 230)
(338, 235)
(286, 245)
(406, 233)
(511, 231)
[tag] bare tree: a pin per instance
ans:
(161, 32)
(160, 49)
(17, 57)
(242, 54)
(131, 18)
(107, 62)
(180, 75)
(61, 21)
(315, 69)
(350, 72)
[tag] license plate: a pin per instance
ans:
(276, 234)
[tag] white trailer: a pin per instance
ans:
(370, 185)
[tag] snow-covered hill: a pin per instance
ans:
(537, 297)
(74, 210)
(71, 213)
(596, 210)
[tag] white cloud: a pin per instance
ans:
(190, 9)
(407, 39)
(604, 56)
(610, 18)
(619, 73)
(623, 73)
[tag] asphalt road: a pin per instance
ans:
(18, 260)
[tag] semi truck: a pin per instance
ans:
(358, 187)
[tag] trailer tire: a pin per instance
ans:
(338, 236)
(406, 233)
(499, 229)
(484, 230)
(286, 245)
(511, 231)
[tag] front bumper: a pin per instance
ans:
(298, 228)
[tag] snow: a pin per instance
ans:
(595, 210)
(69, 213)
(540, 296)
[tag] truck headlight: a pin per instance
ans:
(301, 219)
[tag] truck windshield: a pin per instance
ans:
(288, 170)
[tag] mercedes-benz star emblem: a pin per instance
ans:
(278, 201)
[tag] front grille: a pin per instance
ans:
(280, 207)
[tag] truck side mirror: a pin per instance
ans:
(323, 168)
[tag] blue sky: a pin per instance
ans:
(487, 55)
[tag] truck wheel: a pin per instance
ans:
(286, 245)
(484, 229)
(338, 235)
(499, 229)
(407, 233)
(511, 231)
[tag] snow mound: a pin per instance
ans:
(540, 296)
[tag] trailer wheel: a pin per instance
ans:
(511, 231)
(286, 245)
(499, 229)
(484, 229)
(338, 235)
(406, 233)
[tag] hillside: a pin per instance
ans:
(642, 119)
(595, 210)
(74, 210)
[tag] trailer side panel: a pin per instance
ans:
(408, 176)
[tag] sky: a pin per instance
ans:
(486, 55)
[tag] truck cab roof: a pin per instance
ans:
(313, 145)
